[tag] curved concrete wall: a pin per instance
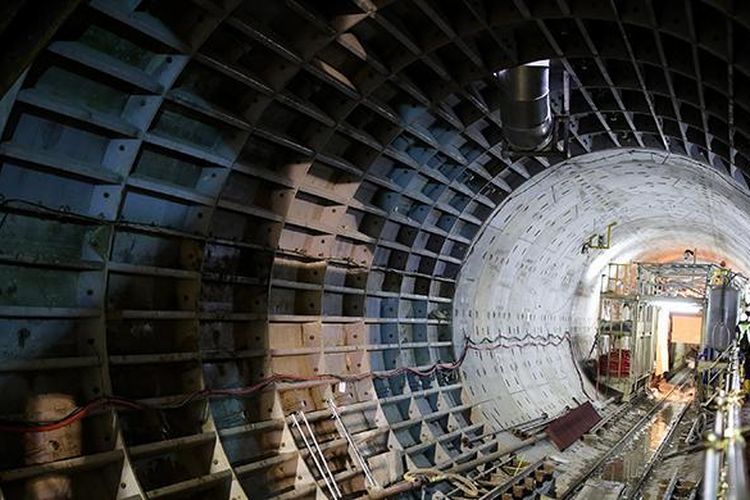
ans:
(526, 281)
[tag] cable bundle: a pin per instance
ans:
(118, 403)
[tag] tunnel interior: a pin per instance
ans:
(217, 213)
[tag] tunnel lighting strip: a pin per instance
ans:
(115, 402)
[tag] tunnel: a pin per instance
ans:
(305, 248)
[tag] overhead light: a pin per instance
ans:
(540, 62)
(678, 306)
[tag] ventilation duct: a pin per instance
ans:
(524, 105)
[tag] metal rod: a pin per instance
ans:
(712, 468)
(735, 452)
(696, 428)
(322, 457)
(345, 432)
(405, 486)
(670, 487)
(725, 450)
(313, 455)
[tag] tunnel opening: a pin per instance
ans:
(528, 259)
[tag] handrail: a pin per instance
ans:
(725, 469)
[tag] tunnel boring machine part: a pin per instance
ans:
(525, 104)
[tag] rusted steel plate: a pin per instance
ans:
(565, 430)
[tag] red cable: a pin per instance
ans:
(115, 402)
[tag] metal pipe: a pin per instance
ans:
(725, 450)
(735, 451)
(396, 489)
(313, 455)
(670, 487)
(736, 477)
(467, 466)
(345, 432)
(405, 486)
(322, 457)
(525, 106)
(712, 468)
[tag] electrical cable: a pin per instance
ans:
(119, 403)
(575, 365)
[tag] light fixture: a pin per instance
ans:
(678, 306)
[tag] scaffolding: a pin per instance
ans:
(629, 300)
(626, 331)
(684, 282)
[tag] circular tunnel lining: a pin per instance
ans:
(527, 283)
(203, 193)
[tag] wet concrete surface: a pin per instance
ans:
(628, 465)
(621, 473)
(688, 467)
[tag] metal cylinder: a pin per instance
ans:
(43, 447)
(525, 106)
(721, 316)
(736, 470)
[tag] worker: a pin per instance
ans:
(742, 330)
(720, 274)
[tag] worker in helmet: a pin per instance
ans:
(720, 274)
